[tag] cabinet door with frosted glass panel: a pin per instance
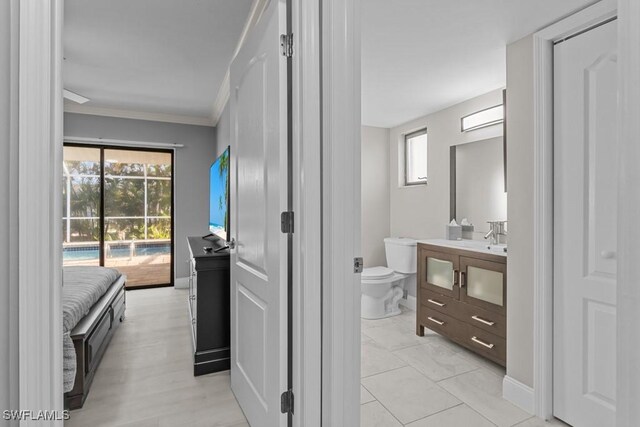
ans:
(483, 284)
(439, 272)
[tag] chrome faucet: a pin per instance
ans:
(497, 233)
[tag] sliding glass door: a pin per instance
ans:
(129, 194)
(81, 206)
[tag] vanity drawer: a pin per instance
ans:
(441, 303)
(486, 344)
(441, 323)
(485, 319)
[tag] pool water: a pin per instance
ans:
(119, 251)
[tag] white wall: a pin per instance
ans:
(375, 194)
(423, 211)
(520, 170)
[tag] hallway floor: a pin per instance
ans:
(429, 381)
(146, 376)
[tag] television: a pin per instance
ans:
(219, 196)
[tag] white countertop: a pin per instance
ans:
(469, 245)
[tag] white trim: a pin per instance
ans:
(121, 142)
(40, 207)
(224, 91)
(221, 99)
(307, 200)
(137, 115)
(14, 215)
(543, 196)
(181, 283)
(341, 126)
(410, 302)
(519, 394)
(628, 297)
(543, 229)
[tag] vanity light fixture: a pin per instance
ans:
(483, 118)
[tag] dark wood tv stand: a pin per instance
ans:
(209, 305)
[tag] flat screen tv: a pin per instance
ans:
(219, 196)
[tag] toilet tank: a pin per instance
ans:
(401, 254)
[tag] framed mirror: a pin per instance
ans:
(477, 189)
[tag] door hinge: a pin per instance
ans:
(286, 222)
(358, 265)
(286, 43)
(286, 402)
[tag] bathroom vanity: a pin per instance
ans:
(462, 294)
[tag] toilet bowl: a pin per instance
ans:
(382, 288)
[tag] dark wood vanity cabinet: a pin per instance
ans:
(462, 295)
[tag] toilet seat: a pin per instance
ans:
(377, 274)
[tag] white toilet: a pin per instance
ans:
(382, 287)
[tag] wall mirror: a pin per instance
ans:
(478, 183)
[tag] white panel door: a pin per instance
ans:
(258, 107)
(585, 187)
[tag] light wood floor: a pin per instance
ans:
(146, 376)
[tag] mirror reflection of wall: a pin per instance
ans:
(478, 184)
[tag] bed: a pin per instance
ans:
(93, 302)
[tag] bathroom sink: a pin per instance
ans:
(473, 245)
(497, 248)
(478, 244)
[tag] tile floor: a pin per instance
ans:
(146, 377)
(429, 381)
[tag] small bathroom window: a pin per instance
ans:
(415, 158)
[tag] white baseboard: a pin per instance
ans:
(181, 283)
(410, 303)
(519, 394)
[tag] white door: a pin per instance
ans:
(258, 107)
(585, 187)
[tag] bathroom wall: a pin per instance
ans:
(520, 176)
(375, 194)
(423, 211)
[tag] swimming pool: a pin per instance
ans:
(118, 250)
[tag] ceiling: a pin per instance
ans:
(164, 57)
(421, 56)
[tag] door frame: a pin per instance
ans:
(307, 204)
(628, 375)
(543, 221)
(39, 114)
(341, 128)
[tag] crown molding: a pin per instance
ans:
(221, 100)
(257, 8)
(138, 115)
